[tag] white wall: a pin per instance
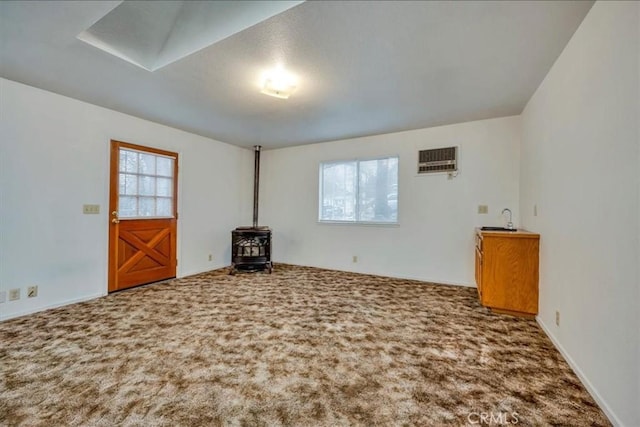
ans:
(54, 157)
(580, 165)
(434, 240)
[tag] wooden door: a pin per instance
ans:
(143, 215)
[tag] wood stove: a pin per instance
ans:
(251, 246)
(251, 249)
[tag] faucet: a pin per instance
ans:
(509, 224)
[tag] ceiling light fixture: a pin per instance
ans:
(278, 83)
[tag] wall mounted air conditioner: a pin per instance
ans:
(438, 160)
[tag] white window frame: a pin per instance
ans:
(357, 192)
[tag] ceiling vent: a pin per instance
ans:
(438, 160)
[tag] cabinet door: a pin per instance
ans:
(510, 267)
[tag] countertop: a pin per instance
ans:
(520, 233)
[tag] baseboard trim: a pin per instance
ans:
(583, 378)
(183, 274)
(49, 307)
(86, 298)
(392, 276)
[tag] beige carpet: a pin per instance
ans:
(300, 347)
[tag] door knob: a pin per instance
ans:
(115, 221)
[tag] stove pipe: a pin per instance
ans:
(256, 184)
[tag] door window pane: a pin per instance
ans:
(128, 206)
(164, 206)
(147, 206)
(147, 164)
(165, 166)
(165, 187)
(128, 161)
(147, 186)
(128, 184)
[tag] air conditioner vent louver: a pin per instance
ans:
(438, 160)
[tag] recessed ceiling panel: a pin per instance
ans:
(154, 34)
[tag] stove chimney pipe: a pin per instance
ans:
(256, 183)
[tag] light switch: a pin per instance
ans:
(90, 209)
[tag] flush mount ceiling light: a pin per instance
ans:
(278, 83)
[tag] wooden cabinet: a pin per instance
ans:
(507, 271)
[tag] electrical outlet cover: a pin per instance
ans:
(32, 291)
(14, 294)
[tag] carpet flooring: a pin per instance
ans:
(300, 347)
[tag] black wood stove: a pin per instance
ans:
(251, 246)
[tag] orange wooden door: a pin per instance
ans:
(143, 215)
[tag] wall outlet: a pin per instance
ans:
(557, 318)
(210, 257)
(355, 258)
(483, 209)
(32, 291)
(3, 296)
(14, 294)
(535, 210)
(90, 209)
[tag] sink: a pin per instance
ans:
(497, 229)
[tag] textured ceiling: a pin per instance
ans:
(363, 67)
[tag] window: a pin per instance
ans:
(145, 183)
(363, 191)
